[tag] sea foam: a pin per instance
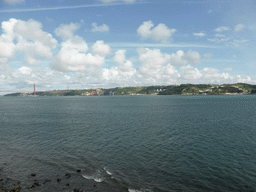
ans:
(95, 178)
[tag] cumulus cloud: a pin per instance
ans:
(199, 34)
(181, 58)
(13, 1)
(73, 55)
(214, 76)
(155, 66)
(239, 27)
(159, 33)
(24, 70)
(102, 28)
(209, 75)
(190, 73)
(153, 58)
(123, 64)
(25, 77)
(66, 31)
(73, 60)
(194, 57)
(29, 38)
(100, 48)
(223, 28)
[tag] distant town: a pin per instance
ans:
(183, 89)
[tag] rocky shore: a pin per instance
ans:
(8, 184)
(60, 183)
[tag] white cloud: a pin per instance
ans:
(199, 34)
(155, 68)
(160, 33)
(13, 1)
(31, 30)
(223, 28)
(212, 75)
(180, 58)
(239, 27)
(24, 70)
(208, 75)
(123, 65)
(25, 77)
(101, 49)
(66, 31)
(190, 73)
(102, 28)
(76, 43)
(7, 49)
(29, 38)
(120, 57)
(194, 57)
(153, 58)
(73, 60)
(73, 57)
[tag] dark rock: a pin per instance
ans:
(94, 185)
(32, 186)
(46, 181)
(78, 171)
(67, 184)
(16, 189)
(59, 179)
(33, 174)
(37, 184)
(68, 175)
(76, 190)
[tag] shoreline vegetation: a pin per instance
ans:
(183, 89)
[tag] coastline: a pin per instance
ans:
(62, 183)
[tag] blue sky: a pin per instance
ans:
(110, 43)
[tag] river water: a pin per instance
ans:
(130, 143)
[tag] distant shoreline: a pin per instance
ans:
(183, 89)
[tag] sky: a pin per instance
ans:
(117, 43)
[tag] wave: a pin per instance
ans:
(133, 190)
(108, 172)
(95, 178)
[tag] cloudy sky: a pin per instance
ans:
(110, 43)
